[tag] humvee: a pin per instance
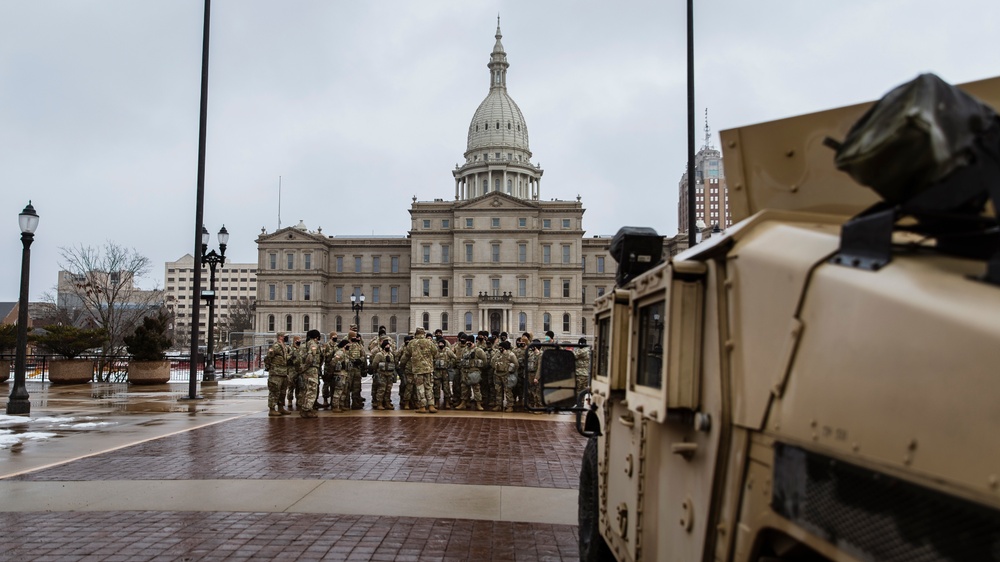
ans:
(813, 384)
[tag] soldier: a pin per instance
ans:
(376, 343)
(534, 359)
(293, 372)
(407, 390)
(329, 350)
(276, 363)
(582, 355)
(420, 357)
(472, 363)
(444, 363)
(485, 342)
(383, 369)
(520, 351)
(458, 390)
(356, 368)
(310, 359)
(504, 368)
(337, 365)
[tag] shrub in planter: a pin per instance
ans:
(8, 340)
(148, 347)
(69, 342)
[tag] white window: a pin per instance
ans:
(468, 287)
(522, 287)
(546, 288)
(425, 287)
(338, 294)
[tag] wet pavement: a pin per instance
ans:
(118, 472)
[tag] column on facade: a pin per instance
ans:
(457, 181)
(503, 186)
(538, 187)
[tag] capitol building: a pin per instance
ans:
(495, 257)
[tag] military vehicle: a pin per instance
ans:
(820, 382)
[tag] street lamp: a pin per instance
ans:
(212, 259)
(357, 305)
(18, 403)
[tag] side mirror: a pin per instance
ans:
(558, 378)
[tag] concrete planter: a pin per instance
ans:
(148, 372)
(71, 371)
(4, 370)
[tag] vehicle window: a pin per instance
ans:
(602, 347)
(649, 363)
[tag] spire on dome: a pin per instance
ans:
(498, 62)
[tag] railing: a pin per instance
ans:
(114, 368)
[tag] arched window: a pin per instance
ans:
(546, 322)
(522, 322)
(583, 326)
(510, 185)
(305, 323)
(566, 321)
(486, 186)
(444, 322)
(374, 324)
(425, 321)
(270, 322)
(392, 324)
(468, 321)
(288, 322)
(496, 185)
(340, 324)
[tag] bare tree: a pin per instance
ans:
(241, 319)
(101, 283)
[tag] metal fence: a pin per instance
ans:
(228, 364)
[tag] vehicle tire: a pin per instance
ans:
(592, 545)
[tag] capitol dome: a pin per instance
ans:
(497, 157)
(498, 122)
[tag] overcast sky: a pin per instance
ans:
(358, 106)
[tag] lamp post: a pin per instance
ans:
(357, 305)
(212, 259)
(18, 404)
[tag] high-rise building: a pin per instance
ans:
(495, 258)
(235, 296)
(711, 205)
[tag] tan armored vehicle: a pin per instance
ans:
(822, 381)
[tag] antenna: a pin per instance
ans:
(708, 134)
(279, 202)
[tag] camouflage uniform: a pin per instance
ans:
(407, 388)
(293, 370)
(504, 365)
(444, 363)
(582, 355)
(420, 358)
(383, 369)
(310, 359)
(337, 366)
(486, 385)
(473, 361)
(329, 350)
(534, 359)
(375, 344)
(356, 367)
(277, 376)
(458, 389)
(522, 357)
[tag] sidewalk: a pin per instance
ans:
(217, 479)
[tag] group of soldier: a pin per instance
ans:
(478, 372)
